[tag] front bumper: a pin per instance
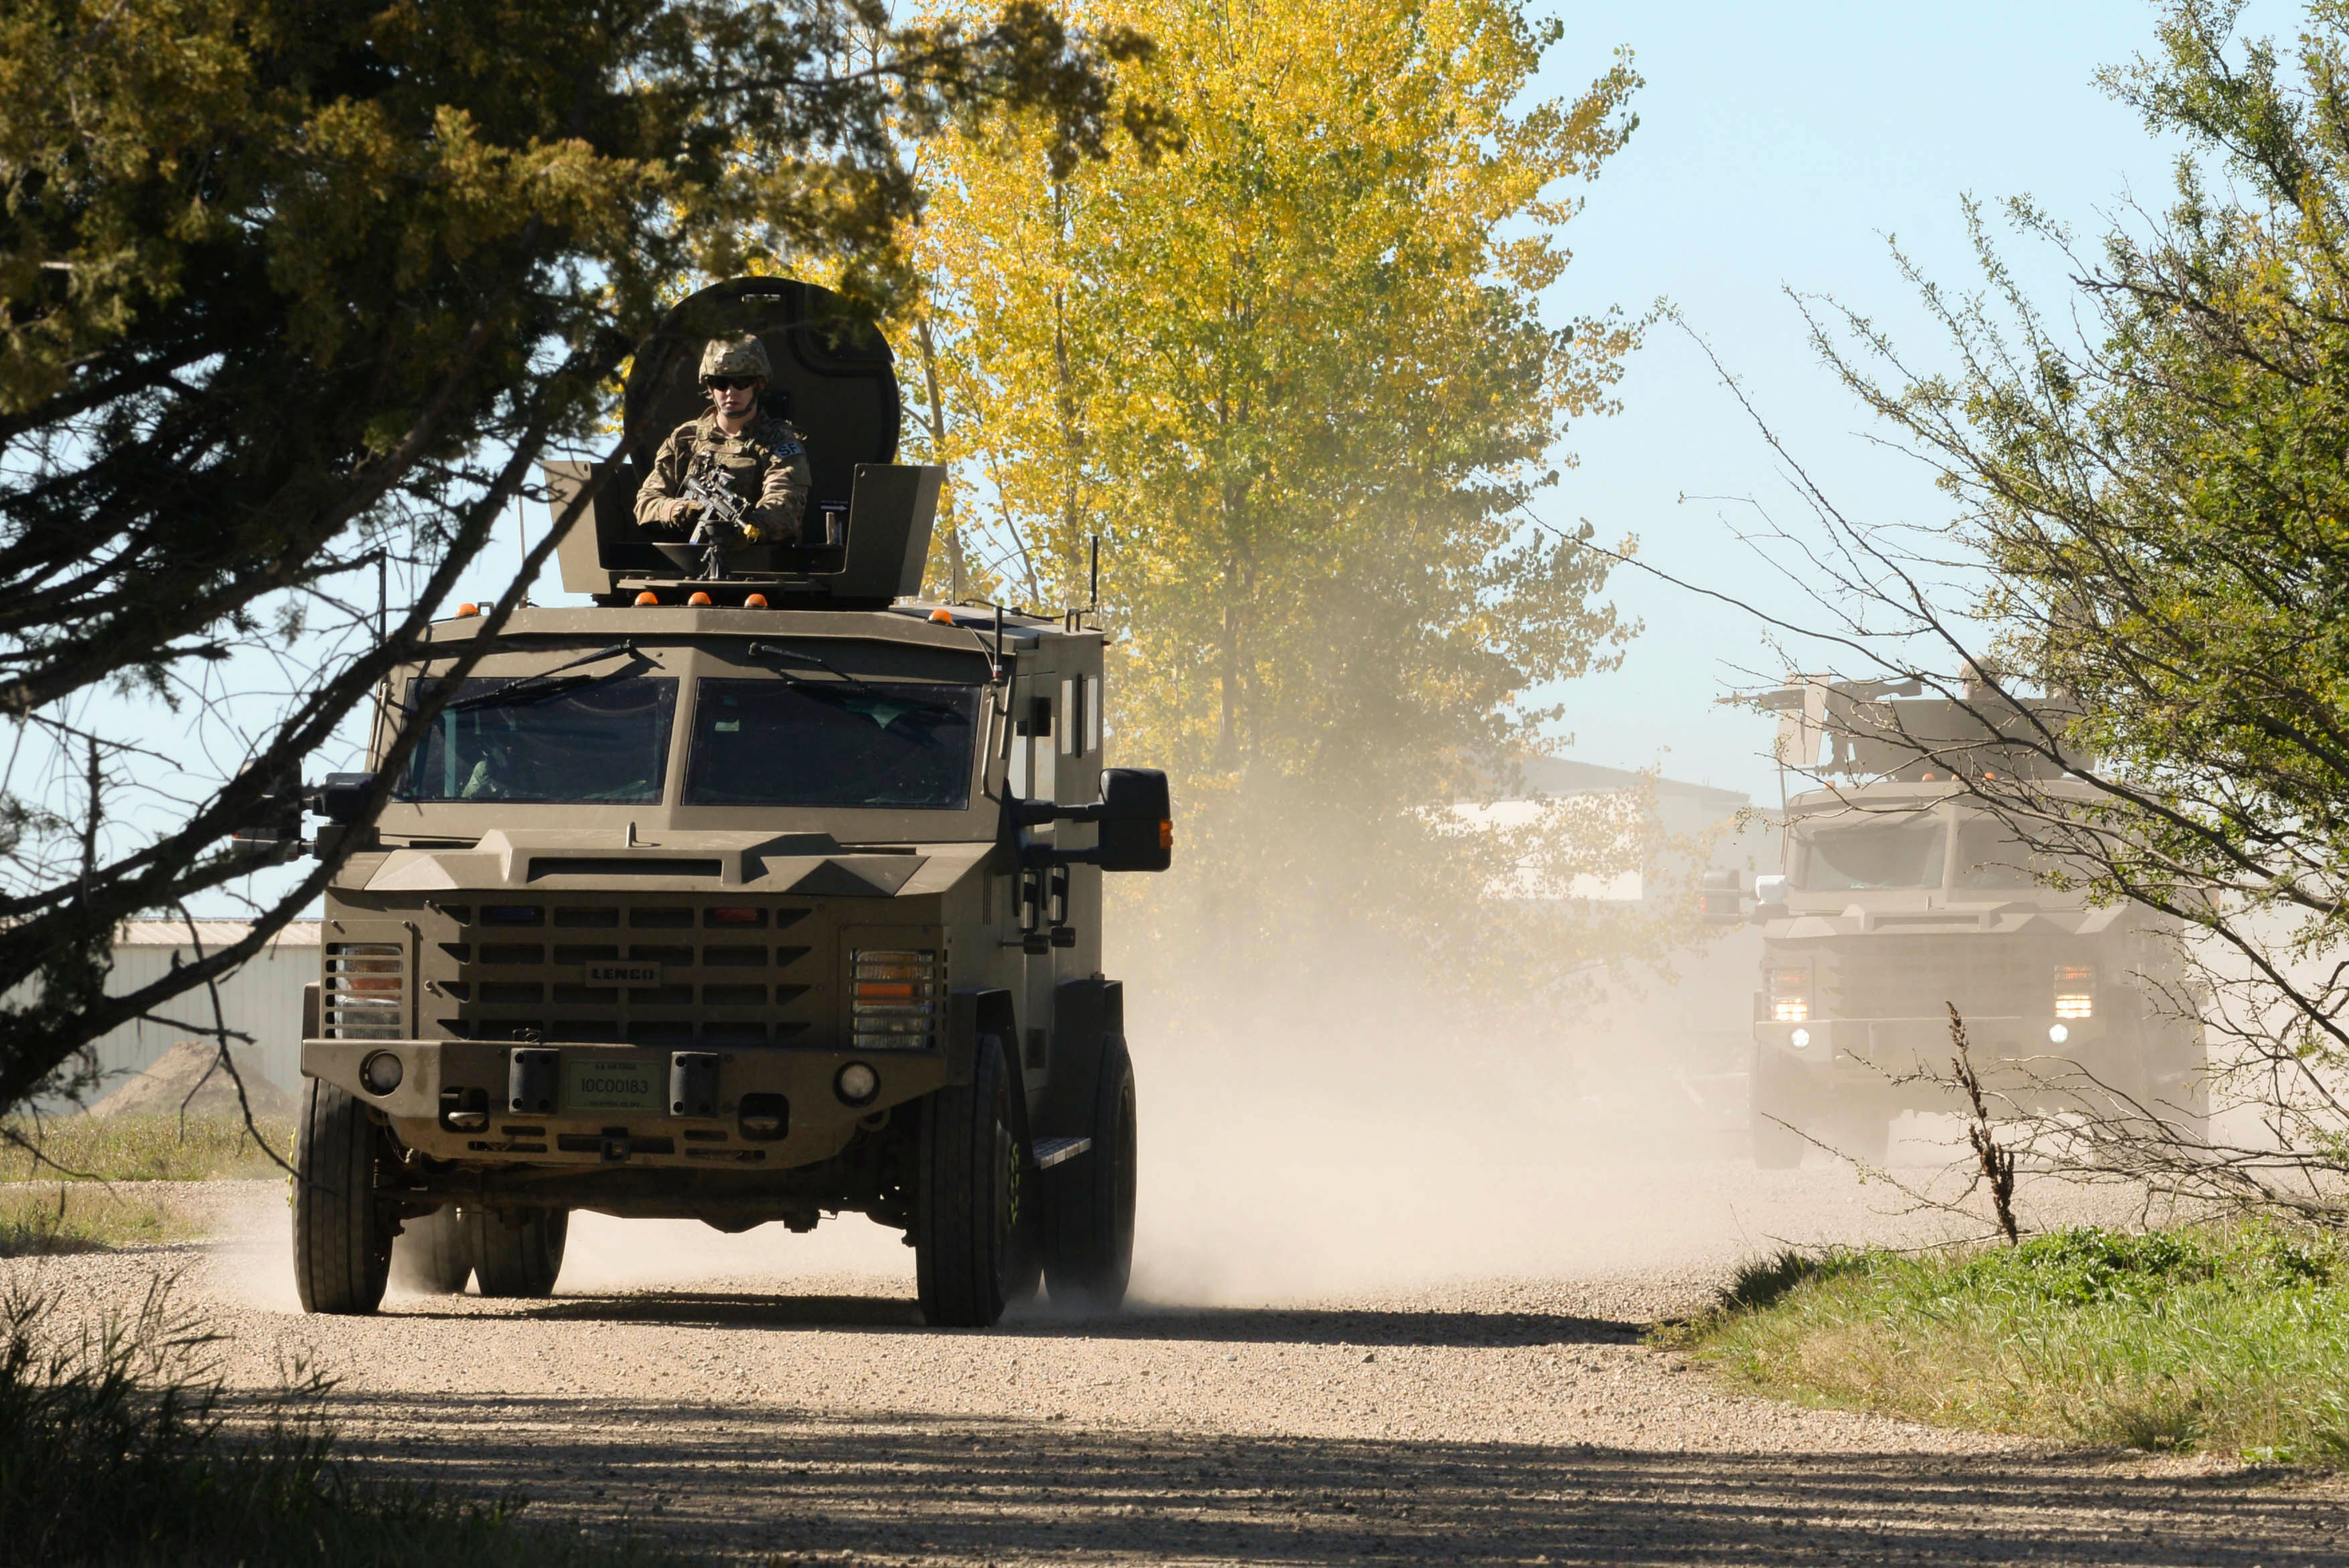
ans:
(1870, 1048)
(454, 1102)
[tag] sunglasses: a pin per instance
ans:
(731, 382)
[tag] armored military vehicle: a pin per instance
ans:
(760, 897)
(1903, 895)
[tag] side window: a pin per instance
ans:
(1080, 716)
(1032, 750)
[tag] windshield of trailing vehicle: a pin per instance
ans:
(831, 740)
(1990, 855)
(580, 739)
(1877, 854)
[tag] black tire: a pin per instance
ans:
(1088, 1201)
(1776, 1100)
(431, 1256)
(342, 1233)
(968, 1195)
(518, 1252)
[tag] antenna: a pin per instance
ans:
(997, 671)
(1094, 607)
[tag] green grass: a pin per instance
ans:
(118, 1447)
(2226, 1340)
(51, 1217)
(144, 1149)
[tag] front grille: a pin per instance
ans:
(366, 986)
(1921, 976)
(664, 974)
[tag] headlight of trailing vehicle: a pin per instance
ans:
(2075, 991)
(893, 998)
(1790, 996)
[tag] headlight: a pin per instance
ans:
(856, 1084)
(381, 1073)
(893, 999)
(1790, 996)
(2075, 991)
(2057, 1033)
(1799, 1039)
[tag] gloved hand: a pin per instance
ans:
(684, 512)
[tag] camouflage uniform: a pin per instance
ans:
(766, 465)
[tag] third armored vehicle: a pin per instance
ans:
(754, 898)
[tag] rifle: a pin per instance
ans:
(725, 518)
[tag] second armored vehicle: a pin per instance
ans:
(1904, 896)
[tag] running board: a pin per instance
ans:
(1050, 1151)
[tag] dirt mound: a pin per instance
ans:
(163, 1087)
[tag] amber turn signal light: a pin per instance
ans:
(465, 610)
(943, 615)
(755, 602)
(700, 598)
(648, 597)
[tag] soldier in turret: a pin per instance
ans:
(756, 456)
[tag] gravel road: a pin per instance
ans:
(774, 1395)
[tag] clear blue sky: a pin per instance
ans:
(1779, 146)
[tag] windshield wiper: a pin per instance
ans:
(775, 651)
(524, 688)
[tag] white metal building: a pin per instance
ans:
(261, 998)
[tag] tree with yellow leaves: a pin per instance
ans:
(1297, 375)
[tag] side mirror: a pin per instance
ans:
(275, 827)
(339, 798)
(1137, 820)
(1769, 898)
(1721, 896)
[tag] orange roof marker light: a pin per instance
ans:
(700, 597)
(943, 615)
(755, 602)
(465, 610)
(648, 597)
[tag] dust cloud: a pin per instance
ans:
(1365, 1140)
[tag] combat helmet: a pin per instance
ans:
(729, 356)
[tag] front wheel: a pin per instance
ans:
(517, 1252)
(342, 1233)
(1088, 1201)
(1777, 1102)
(968, 1198)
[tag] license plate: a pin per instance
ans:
(611, 1083)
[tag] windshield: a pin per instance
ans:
(898, 744)
(1990, 855)
(1878, 855)
(585, 742)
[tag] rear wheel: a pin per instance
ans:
(431, 1256)
(1090, 1199)
(518, 1252)
(969, 1197)
(342, 1235)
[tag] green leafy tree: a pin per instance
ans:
(2161, 503)
(290, 287)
